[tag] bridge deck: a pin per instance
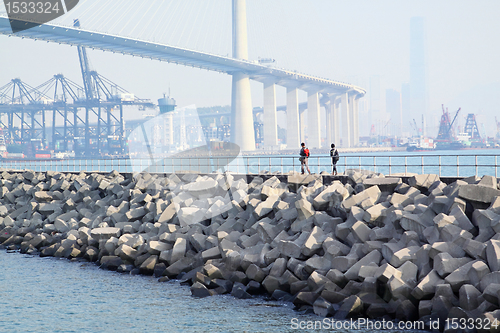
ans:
(167, 53)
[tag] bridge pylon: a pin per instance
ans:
(242, 127)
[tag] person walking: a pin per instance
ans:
(334, 153)
(304, 156)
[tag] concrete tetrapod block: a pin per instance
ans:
(191, 215)
(488, 181)
(335, 193)
(105, 233)
(483, 219)
(278, 268)
(493, 254)
(415, 223)
(439, 204)
(491, 293)
(385, 272)
(373, 257)
(409, 273)
(373, 192)
(404, 255)
(147, 267)
(323, 308)
(167, 214)
(178, 250)
(427, 286)
(375, 213)
(268, 191)
(460, 276)
(386, 184)
(468, 297)
(423, 181)
(313, 242)
(478, 193)
(126, 252)
(156, 247)
(199, 290)
(448, 247)
(304, 209)
(350, 307)
(388, 250)
(398, 289)
(317, 263)
(495, 205)
(401, 199)
(445, 264)
(478, 270)
(265, 207)
(255, 273)
(361, 231)
(368, 271)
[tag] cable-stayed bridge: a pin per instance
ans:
(340, 99)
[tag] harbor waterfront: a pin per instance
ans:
(444, 163)
(410, 249)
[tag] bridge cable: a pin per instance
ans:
(172, 27)
(139, 21)
(152, 22)
(161, 21)
(195, 22)
(181, 35)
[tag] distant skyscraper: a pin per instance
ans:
(405, 104)
(418, 89)
(374, 96)
(393, 107)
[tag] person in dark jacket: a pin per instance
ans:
(304, 156)
(334, 153)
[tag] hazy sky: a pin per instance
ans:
(348, 41)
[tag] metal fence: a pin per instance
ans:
(443, 165)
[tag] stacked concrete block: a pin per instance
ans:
(369, 246)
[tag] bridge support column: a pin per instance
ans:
(346, 123)
(356, 121)
(292, 116)
(329, 125)
(351, 121)
(313, 128)
(302, 116)
(242, 128)
(270, 121)
(334, 118)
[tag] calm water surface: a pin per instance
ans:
(56, 295)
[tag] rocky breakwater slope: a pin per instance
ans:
(374, 247)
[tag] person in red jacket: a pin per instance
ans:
(304, 156)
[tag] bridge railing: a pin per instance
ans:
(443, 165)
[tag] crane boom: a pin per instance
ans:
(416, 126)
(85, 68)
(455, 118)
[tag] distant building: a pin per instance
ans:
(418, 77)
(406, 116)
(393, 108)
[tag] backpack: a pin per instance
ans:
(335, 155)
(306, 151)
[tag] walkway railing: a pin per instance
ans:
(443, 165)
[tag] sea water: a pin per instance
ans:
(57, 295)
(451, 163)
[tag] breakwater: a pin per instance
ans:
(359, 245)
